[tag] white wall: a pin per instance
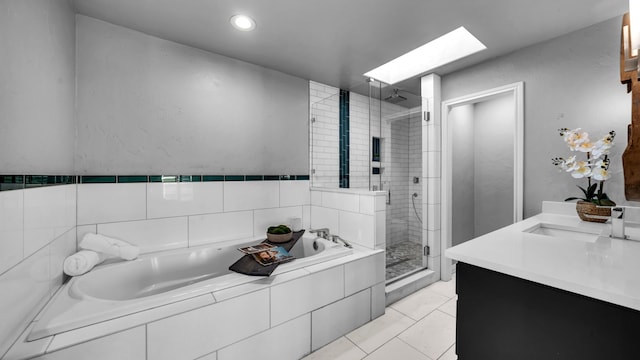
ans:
(37, 87)
(151, 106)
(494, 122)
(463, 174)
(571, 81)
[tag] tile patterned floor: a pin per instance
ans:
(421, 326)
(402, 258)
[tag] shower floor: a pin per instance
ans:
(403, 257)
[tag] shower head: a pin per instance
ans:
(395, 98)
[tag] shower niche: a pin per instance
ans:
(384, 154)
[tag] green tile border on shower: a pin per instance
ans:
(18, 182)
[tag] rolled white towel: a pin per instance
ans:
(109, 246)
(81, 262)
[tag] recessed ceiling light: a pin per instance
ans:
(242, 22)
(447, 48)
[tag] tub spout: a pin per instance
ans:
(335, 239)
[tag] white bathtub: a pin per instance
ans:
(158, 279)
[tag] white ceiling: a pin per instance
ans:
(335, 41)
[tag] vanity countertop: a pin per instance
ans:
(587, 262)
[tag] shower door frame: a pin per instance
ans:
(517, 92)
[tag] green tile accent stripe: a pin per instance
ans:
(17, 182)
(133, 178)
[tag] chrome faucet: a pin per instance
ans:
(322, 232)
(335, 239)
(617, 223)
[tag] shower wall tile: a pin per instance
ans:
(11, 228)
(103, 203)
(433, 219)
(183, 198)
(150, 235)
(249, 195)
(367, 204)
(433, 191)
(48, 213)
(297, 333)
(262, 219)
(293, 193)
(176, 337)
(212, 228)
(431, 162)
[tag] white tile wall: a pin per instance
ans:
(363, 273)
(204, 229)
(340, 317)
(269, 217)
(322, 217)
(297, 297)
(23, 289)
(48, 213)
(202, 331)
(11, 228)
(249, 195)
(358, 228)
(294, 193)
(296, 342)
(184, 198)
(59, 249)
(102, 203)
(150, 235)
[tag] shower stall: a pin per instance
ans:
(370, 137)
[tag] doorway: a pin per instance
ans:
(482, 157)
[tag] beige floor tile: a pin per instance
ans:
(433, 335)
(450, 307)
(397, 349)
(421, 303)
(450, 354)
(374, 334)
(446, 288)
(341, 349)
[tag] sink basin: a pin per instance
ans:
(587, 235)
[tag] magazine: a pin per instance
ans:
(266, 254)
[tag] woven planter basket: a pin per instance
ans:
(588, 211)
(279, 238)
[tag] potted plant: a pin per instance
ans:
(595, 205)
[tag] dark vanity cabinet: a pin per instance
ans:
(502, 317)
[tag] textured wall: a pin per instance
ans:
(147, 106)
(571, 81)
(37, 87)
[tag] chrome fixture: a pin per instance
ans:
(335, 239)
(617, 223)
(322, 232)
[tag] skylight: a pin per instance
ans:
(447, 48)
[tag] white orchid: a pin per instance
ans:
(595, 166)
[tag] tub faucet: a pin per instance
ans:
(322, 232)
(617, 223)
(335, 239)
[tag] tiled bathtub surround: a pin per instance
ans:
(37, 232)
(285, 316)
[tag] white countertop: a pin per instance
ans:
(602, 268)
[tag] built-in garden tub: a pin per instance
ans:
(174, 297)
